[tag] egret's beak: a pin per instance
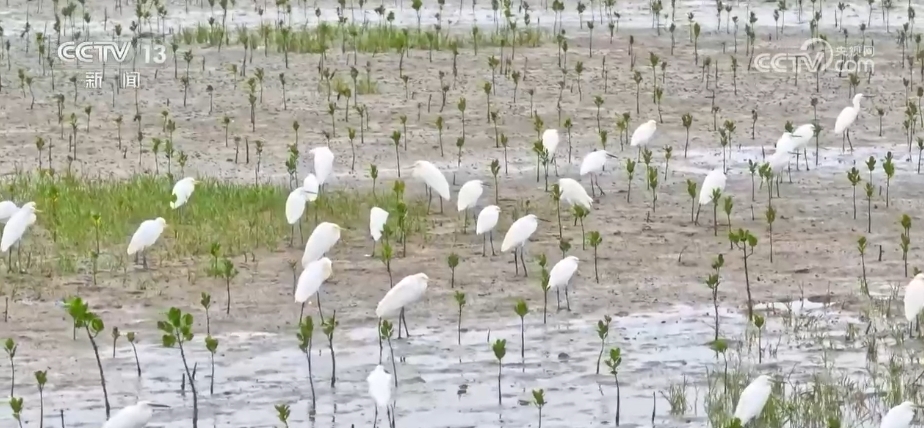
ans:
(542, 219)
(37, 210)
(608, 154)
(159, 406)
(488, 185)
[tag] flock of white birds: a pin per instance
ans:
(317, 268)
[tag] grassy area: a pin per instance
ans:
(241, 218)
(370, 38)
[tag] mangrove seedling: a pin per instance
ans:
(544, 284)
(861, 247)
(453, 261)
(41, 378)
(130, 336)
(869, 207)
(283, 413)
(686, 120)
(613, 362)
(854, 176)
(630, 172)
(746, 242)
(889, 167)
(905, 240)
(386, 331)
(205, 300)
(727, 205)
(716, 197)
(328, 326)
(712, 283)
(10, 347)
(211, 344)
(500, 350)
(228, 272)
(460, 302)
(595, 239)
(521, 310)
(771, 217)
(539, 402)
(16, 407)
(580, 213)
(177, 329)
(759, 323)
(304, 335)
(603, 331)
(91, 323)
(115, 338)
(495, 170)
(691, 190)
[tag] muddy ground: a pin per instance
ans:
(649, 259)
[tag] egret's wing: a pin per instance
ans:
(438, 182)
(321, 240)
(752, 401)
(377, 219)
(311, 185)
(7, 209)
(129, 417)
(309, 282)
(487, 219)
(295, 205)
(714, 180)
(844, 119)
(407, 291)
(380, 387)
(13, 230)
(898, 416)
(593, 162)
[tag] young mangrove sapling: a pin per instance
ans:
(460, 302)
(854, 176)
(539, 402)
(500, 350)
(746, 242)
(93, 325)
(130, 336)
(177, 329)
(41, 378)
(10, 347)
(211, 344)
(613, 362)
(304, 335)
(453, 261)
(712, 282)
(283, 413)
(603, 331)
(521, 310)
(328, 326)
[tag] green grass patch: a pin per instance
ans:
(369, 38)
(241, 218)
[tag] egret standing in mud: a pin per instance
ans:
(715, 180)
(145, 237)
(753, 399)
(295, 208)
(310, 281)
(517, 237)
(550, 142)
(800, 138)
(643, 136)
(899, 416)
(377, 219)
(321, 240)
(134, 416)
(15, 228)
(593, 164)
(409, 290)
(434, 180)
(487, 220)
(560, 277)
(182, 191)
(380, 388)
(467, 198)
(573, 193)
(846, 118)
(323, 163)
(914, 302)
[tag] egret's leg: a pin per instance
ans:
(9, 263)
(516, 264)
(848, 140)
(136, 258)
(555, 161)
(301, 314)
(391, 417)
(843, 140)
(320, 311)
(375, 417)
(599, 187)
(567, 299)
(429, 200)
(406, 332)
(484, 245)
(378, 333)
(805, 157)
(557, 299)
(789, 171)
(696, 218)
(638, 157)
(301, 233)
(491, 234)
(464, 221)
(144, 258)
(441, 204)
(593, 190)
(292, 236)
(523, 260)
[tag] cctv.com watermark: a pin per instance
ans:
(817, 55)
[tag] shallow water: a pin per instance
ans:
(254, 371)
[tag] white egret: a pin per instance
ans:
(899, 416)
(846, 118)
(311, 185)
(800, 138)
(468, 197)
(377, 219)
(914, 300)
(550, 144)
(409, 290)
(323, 163)
(642, 135)
(593, 164)
(321, 240)
(560, 277)
(7, 209)
(714, 181)
(434, 180)
(380, 388)
(146, 235)
(135, 416)
(16, 227)
(310, 281)
(573, 193)
(517, 237)
(295, 208)
(182, 190)
(753, 399)
(487, 220)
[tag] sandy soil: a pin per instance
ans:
(647, 259)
